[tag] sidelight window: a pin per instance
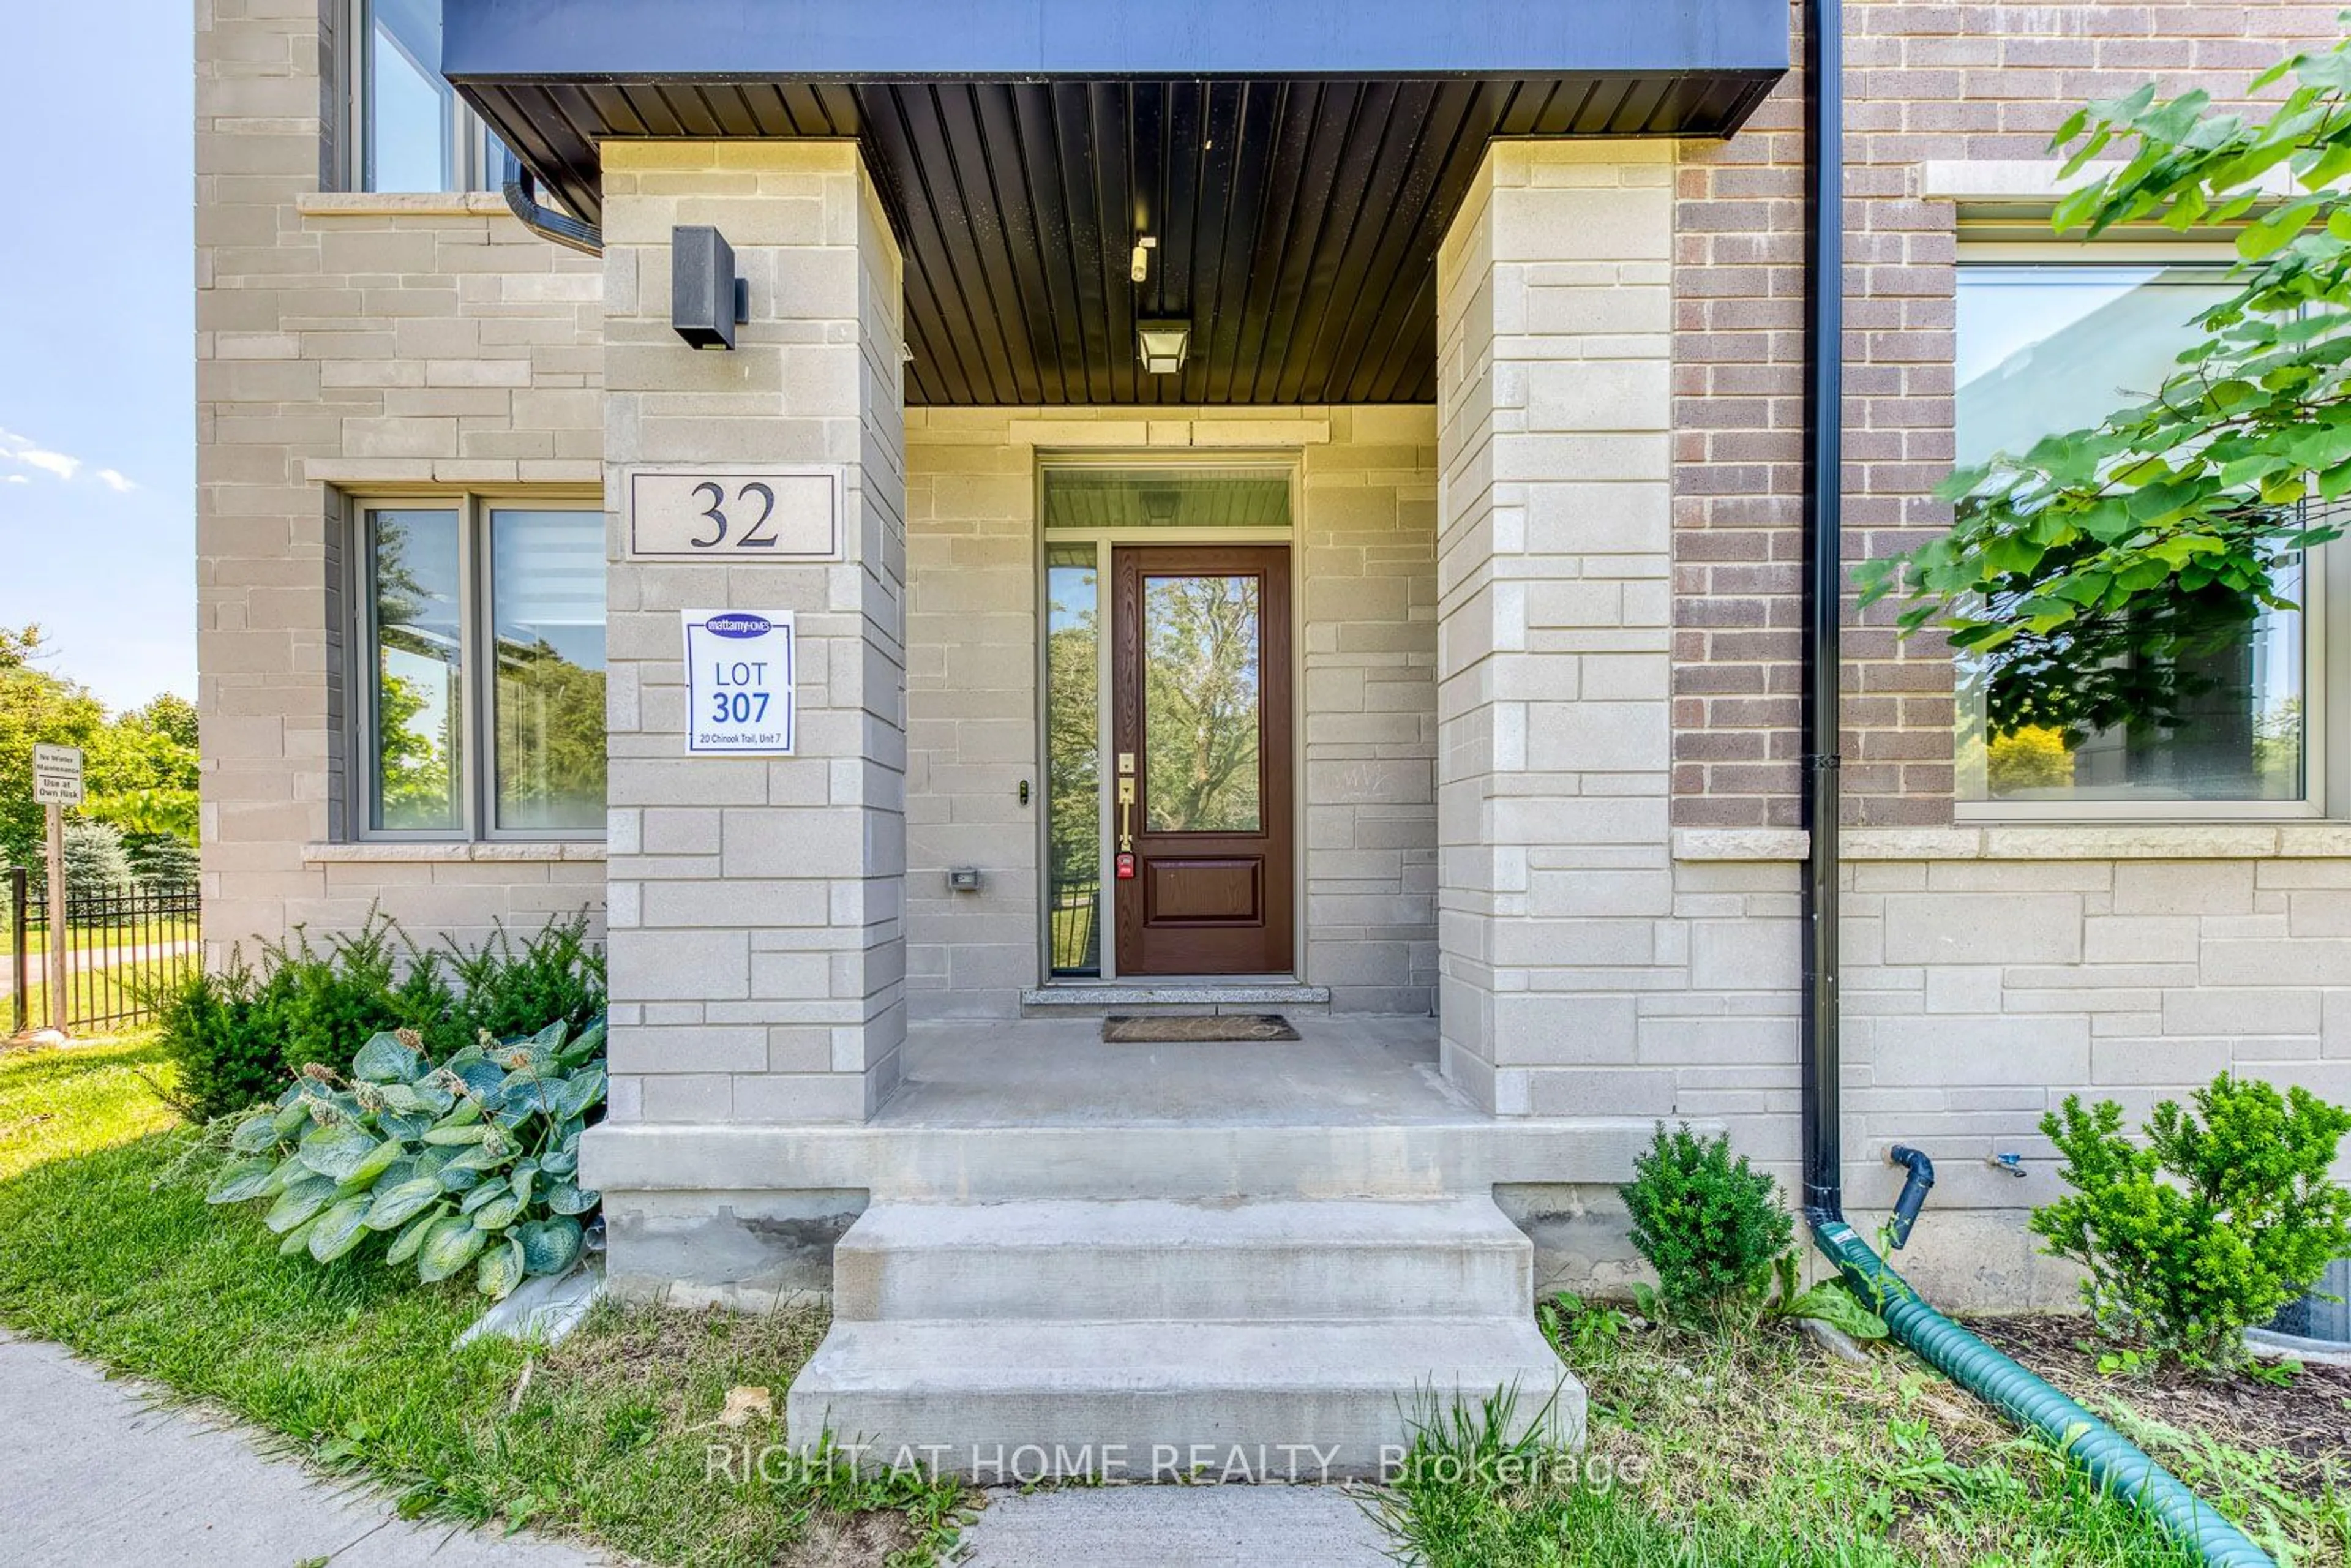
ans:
(1073, 759)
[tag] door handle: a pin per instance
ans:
(1125, 806)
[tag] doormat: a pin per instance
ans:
(1122, 1029)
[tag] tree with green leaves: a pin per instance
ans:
(96, 865)
(2100, 578)
(139, 767)
(550, 742)
(37, 708)
(1073, 747)
(1200, 702)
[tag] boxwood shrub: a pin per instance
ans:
(239, 1036)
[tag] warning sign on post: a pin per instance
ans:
(738, 680)
(57, 775)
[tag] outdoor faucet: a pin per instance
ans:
(2013, 1164)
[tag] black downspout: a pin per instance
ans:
(1825, 595)
(2112, 1463)
(521, 192)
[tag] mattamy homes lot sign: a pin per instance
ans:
(738, 679)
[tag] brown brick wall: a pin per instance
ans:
(1923, 81)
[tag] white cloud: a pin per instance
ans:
(21, 451)
(56, 463)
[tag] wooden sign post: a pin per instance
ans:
(56, 784)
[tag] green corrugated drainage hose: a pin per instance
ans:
(2112, 1462)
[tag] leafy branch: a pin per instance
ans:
(2162, 532)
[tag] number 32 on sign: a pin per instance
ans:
(738, 680)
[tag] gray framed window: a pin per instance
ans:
(410, 132)
(480, 662)
(2208, 713)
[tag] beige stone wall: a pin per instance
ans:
(1365, 567)
(348, 344)
(1595, 962)
(1590, 533)
(1556, 887)
(1990, 972)
(972, 712)
(758, 923)
(1367, 560)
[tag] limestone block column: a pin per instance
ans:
(1554, 743)
(757, 904)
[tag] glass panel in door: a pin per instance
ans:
(1200, 704)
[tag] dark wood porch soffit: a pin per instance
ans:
(1297, 161)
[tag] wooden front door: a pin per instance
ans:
(1200, 724)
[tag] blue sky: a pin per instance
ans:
(97, 385)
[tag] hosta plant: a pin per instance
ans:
(470, 1164)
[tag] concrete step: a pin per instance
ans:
(1252, 1261)
(1140, 998)
(1403, 1157)
(1148, 1400)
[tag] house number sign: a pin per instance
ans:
(739, 518)
(738, 682)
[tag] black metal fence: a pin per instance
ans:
(1076, 927)
(123, 947)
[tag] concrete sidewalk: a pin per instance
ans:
(92, 1474)
(1176, 1527)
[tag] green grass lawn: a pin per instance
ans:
(110, 991)
(87, 938)
(1762, 1453)
(112, 996)
(1766, 1453)
(58, 1104)
(106, 1244)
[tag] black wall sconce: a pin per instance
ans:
(706, 301)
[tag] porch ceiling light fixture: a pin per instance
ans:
(1160, 345)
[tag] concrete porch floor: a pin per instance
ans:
(1343, 1071)
(995, 1111)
